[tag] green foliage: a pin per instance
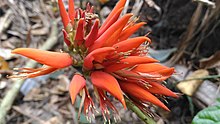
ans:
(210, 115)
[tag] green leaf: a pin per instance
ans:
(210, 115)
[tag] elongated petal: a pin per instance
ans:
(157, 88)
(77, 83)
(150, 67)
(71, 10)
(107, 82)
(65, 35)
(165, 73)
(128, 62)
(63, 14)
(80, 32)
(96, 55)
(154, 69)
(53, 59)
(91, 37)
(112, 20)
(138, 92)
(129, 44)
(129, 31)
(111, 30)
(119, 5)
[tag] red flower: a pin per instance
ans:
(112, 61)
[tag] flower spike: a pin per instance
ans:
(113, 62)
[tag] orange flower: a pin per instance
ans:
(112, 61)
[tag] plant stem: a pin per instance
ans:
(10, 96)
(202, 78)
(139, 113)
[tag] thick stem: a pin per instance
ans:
(139, 113)
(12, 93)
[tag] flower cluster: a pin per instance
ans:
(110, 60)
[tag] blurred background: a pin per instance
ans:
(185, 34)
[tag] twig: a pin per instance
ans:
(12, 93)
(139, 113)
(5, 22)
(28, 115)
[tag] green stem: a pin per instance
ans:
(139, 113)
(202, 78)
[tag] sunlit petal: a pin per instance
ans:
(63, 14)
(53, 59)
(96, 55)
(138, 92)
(107, 82)
(128, 62)
(76, 84)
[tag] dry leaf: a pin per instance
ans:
(103, 1)
(3, 64)
(211, 62)
(190, 86)
(54, 120)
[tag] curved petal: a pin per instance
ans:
(77, 83)
(63, 14)
(157, 88)
(71, 10)
(141, 94)
(112, 20)
(53, 59)
(128, 62)
(111, 33)
(150, 67)
(129, 31)
(107, 82)
(66, 40)
(91, 37)
(119, 5)
(129, 44)
(154, 69)
(80, 32)
(96, 55)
